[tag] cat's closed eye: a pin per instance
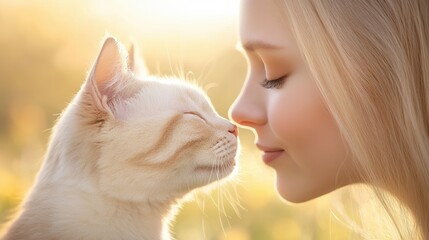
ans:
(191, 113)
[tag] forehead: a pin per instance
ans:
(261, 21)
(168, 95)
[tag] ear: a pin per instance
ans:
(136, 63)
(108, 75)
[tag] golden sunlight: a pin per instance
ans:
(187, 11)
(167, 14)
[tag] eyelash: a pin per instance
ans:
(275, 83)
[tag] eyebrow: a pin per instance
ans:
(251, 46)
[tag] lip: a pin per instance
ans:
(269, 154)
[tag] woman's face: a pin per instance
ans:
(294, 130)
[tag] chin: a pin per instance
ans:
(216, 173)
(292, 197)
(295, 193)
(204, 176)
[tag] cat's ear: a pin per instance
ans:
(135, 62)
(108, 75)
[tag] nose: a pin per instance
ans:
(234, 130)
(248, 111)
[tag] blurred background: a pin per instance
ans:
(46, 49)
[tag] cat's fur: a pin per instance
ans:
(122, 154)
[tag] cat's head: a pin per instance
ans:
(154, 137)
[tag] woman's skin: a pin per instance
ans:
(294, 130)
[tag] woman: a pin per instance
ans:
(338, 94)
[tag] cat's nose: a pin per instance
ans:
(234, 130)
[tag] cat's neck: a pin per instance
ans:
(68, 202)
(107, 218)
(75, 214)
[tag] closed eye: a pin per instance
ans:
(195, 114)
(275, 83)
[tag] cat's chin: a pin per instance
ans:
(217, 171)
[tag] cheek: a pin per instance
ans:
(306, 129)
(296, 113)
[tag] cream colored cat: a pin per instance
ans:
(122, 154)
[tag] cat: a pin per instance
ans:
(123, 153)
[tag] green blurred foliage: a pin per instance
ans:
(46, 49)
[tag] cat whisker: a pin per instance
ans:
(211, 172)
(222, 190)
(220, 218)
(203, 228)
(235, 202)
(169, 60)
(209, 63)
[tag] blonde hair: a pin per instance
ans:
(370, 59)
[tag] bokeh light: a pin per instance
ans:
(46, 49)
